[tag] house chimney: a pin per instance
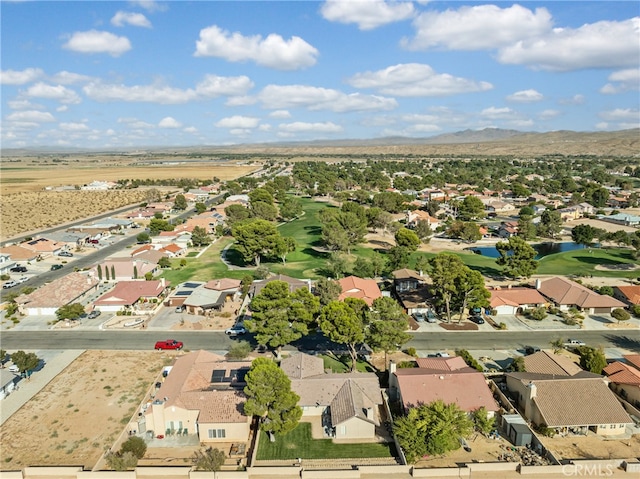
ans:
(533, 390)
(538, 283)
(162, 282)
(392, 367)
(509, 287)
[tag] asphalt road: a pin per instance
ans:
(215, 340)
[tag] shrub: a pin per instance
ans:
(135, 445)
(538, 314)
(5, 277)
(239, 350)
(411, 352)
(464, 354)
(407, 364)
(620, 314)
(635, 309)
(502, 326)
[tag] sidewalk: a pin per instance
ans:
(27, 388)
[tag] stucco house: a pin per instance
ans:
(447, 379)
(124, 269)
(43, 247)
(514, 300)
(348, 404)
(72, 288)
(567, 294)
(625, 381)
(134, 296)
(413, 217)
(354, 287)
(577, 404)
(8, 382)
(627, 294)
(207, 296)
(201, 395)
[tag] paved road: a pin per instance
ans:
(217, 340)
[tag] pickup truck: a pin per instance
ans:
(169, 344)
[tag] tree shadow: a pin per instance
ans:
(234, 258)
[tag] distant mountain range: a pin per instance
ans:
(622, 142)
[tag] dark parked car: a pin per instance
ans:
(55, 267)
(18, 269)
(476, 318)
(169, 344)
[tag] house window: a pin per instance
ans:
(216, 433)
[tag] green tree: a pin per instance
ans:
(526, 229)
(269, 397)
(164, 262)
(25, 362)
(471, 208)
(550, 224)
(407, 239)
(465, 230)
(70, 311)
(343, 325)
(284, 247)
(236, 213)
(264, 211)
(387, 328)
(256, 239)
(327, 290)
(557, 345)
(592, 359)
(482, 421)
(208, 459)
(119, 462)
(260, 195)
(99, 270)
(336, 265)
(620, 314)
(239, 350)
(156, 225)
(134, 445)
(280, 317)
(200, 207)
(398, 257)
(584, 234)
(517, 257)
(423, 230)
(180, 203)
(290, 208)
(434, 428)
(342, 230)
(200, 237)
(143, 238)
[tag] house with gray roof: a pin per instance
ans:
(348, 404)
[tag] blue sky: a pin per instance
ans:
(142, 73)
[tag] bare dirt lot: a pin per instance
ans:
(593, 447)
(82, 411)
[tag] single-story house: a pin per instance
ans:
(72, 288)
(627, 294)
(6, 263)
(447, 379)
(124, 269)
(173, 250)
(8, 382)
(625, 381)
(623, 219)
(198, 297)
(354, 287)
(348, 403)
(569, 404)
(413, 217)
(202, 394)
(406, 279)
(132, 296)
(515, 300)
(545, 362)
(567, 294)
(19, 253)
(44, 247)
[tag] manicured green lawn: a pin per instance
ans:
(583, 262)
(344, 364)
(299, 444)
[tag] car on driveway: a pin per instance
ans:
(67, 254)
(476, 319)
(9, 284)
(420, 317)
(94, 314)
(169, 344)
(55, 267)
(18, 269)
(236, 331)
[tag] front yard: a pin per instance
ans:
(299, 444)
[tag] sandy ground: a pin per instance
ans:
(82, 411)
(592, 446)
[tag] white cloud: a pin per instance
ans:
(603, 125)
(73, 127)
(13, 77)
(280, 114)
(279, 97)
(62, 108)
(264, 127)
(299, 126)
(120, 19)
(620, 114)
(94, 41)
(68, 78)
(367, 14)
(494, 113)
(477, 28)
(32, 116)
(240, 132)
(549, 114)
(169, 122)
(415, 79)
(135, 124)
(525, 96)
(622, 81)
(190, 129)
(243, 100)
(150, 5)
(272, 51)
(574, 100)
(51, 92)
(238, 121)
(213, 86)
(22, 104)
(604, 44)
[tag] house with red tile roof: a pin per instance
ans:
(202, 395)
(349, 402)
(19, 253)
(142, 249)
(72, 288)
(578, 404)
(413, 217)
(444, 379)
(173, 250)
(515, 300)
(567, 294)
(132, 296)
(44, 247)
(124, 269)
(354, 287)
(633, 359)
(627, 294)
(625, 381)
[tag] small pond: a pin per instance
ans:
(543, 249)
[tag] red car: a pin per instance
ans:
(169, 344)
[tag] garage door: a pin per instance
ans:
(602, 310)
